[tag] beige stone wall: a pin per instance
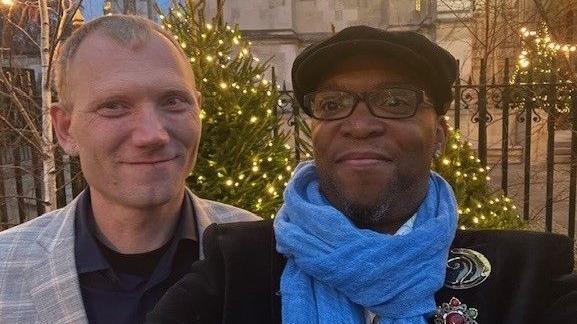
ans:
(257, 14)
(314, 16)
(457, 40)
(282, 56)
(319, 15)
(282, 28)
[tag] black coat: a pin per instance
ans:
(238, 282)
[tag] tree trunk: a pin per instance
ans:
(49, 172)
(3, 195)
(37, 174)
(219, 12)
(19, 178)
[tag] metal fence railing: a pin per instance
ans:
(528, 113)
(510, 123)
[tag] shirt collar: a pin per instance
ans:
(407, 227)
(187, 228)
(87, 253)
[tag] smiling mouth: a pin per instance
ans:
(152, 162)
(363, 162)
(360, 159)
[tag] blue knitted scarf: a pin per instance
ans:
(336, 270)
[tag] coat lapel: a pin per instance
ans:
(203, 219)
(208, 212)
(278, 263)
(54, 285)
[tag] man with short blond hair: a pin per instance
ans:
(129, 109)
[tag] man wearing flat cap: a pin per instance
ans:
(368, 233)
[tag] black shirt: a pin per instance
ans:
(119, 288)
(141, 264)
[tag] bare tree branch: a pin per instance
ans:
(17, 131)
(24, 197)
(26, 116)
(462, 21)
(17, 26)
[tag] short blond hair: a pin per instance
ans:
(126, 30)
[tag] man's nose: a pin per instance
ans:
(150, 128)
(362, 123)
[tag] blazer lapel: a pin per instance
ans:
(54, 286)
(203, 219)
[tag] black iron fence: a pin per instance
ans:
(528, 111)
(513, 125)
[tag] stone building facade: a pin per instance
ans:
(471, 30)
(282, 28)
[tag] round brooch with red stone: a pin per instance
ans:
(454, 312)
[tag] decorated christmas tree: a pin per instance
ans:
(541, 61)
(243, 159)
(478, 207)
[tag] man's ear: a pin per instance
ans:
(441, 134)
(61, 118)
(198, 98)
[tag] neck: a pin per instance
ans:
(390, 226)
(401, 210)
(386, 216)
(131, 230)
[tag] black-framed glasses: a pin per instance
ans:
(391, 102)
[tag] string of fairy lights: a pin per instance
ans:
(545, 44)
(222, 59)
(228, 63)
(464, 171)
(535, 64)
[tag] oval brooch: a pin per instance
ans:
(466, 269)
(454, 312)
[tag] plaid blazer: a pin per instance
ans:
(38, 278)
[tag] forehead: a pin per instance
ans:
(99, 50)
(103, 67)
(364, 71)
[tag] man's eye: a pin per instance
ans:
(176, 103)
(113, 109)
(173, 101)
(330, 105)
(334, 102)
(394, 101)
(389, 100)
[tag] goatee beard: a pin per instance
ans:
(367, 217)
(362, 216)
